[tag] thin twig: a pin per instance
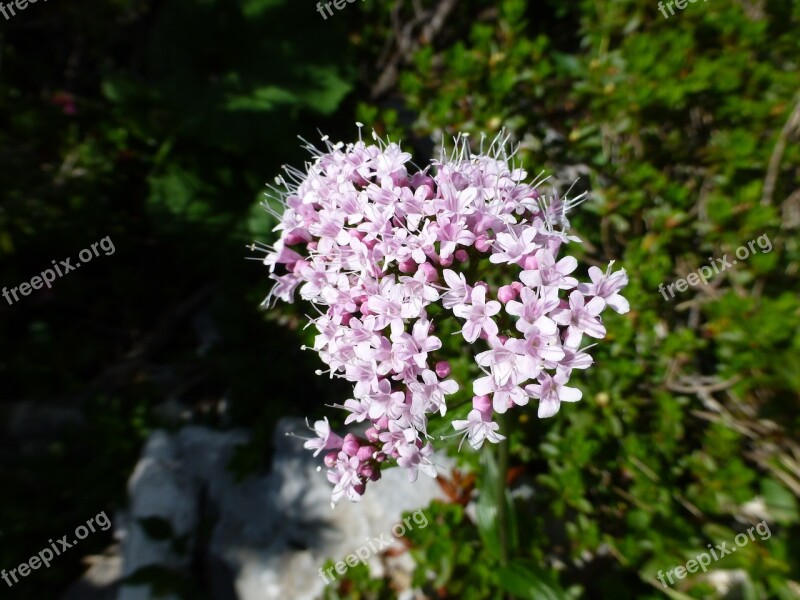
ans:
(792, 124)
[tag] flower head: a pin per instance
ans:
(387, 256)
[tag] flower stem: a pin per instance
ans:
(502, 473)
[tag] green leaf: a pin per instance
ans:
(486, 506)
(527, 581)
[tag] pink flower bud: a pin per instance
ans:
(365, 453)
(330, 459)
(446, 262)
(350, 445)
(430, 272)
(506, 294)
(461, 255)
(420, 179)
(380, 457)
(382, 422)
(553, 245)
(424, 192)
(408, 266)
(297, 236)
(517, 287)
(443, 369)
(459, 181)
(312, 245)
(371, 434)
(503, 338)
(483, 404)
(482, 243)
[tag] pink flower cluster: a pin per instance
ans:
(385, 252)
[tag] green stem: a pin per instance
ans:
(502, 473)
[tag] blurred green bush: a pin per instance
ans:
(685, 131)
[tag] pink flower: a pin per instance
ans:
(415, 459)
(549, 273)
(581, 318)
(326, 439)
(477, 429)
(510, 248)
(606, 286)
(478, 315)
(383, 255)
(551, 391)
(457, 292)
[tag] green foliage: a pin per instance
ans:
(157, 124)
(162, 136)
(672, 124)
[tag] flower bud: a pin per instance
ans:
(506, 294)
(530, 263)
(443, 369)
(422, 179)
(365, 453)
(351, 445)
(459, 181)
(430, 272)
(461, 255)
(371, 434)
(483, 404)
(446, 262)
(297, 236)
(553, 245)
(482, 243)
(330, 459)
(407, 267)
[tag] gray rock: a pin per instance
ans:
(271, 533)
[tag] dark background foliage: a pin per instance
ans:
(159, 123)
